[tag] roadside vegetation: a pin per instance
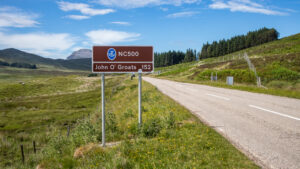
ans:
(277, 63)
(171, 137)
(59, 110)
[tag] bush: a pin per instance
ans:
(111, 124)
(23, 65)
(170, 120)
(84, 133)
(3, 63)
(152, 127)
(277, 72)
(92, 75)
(278, 84)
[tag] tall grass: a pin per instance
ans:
(171, 137)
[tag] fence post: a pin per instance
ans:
(34, 149)
(68, 133)
(22, 153)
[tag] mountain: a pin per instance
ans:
(80, 54)
(14, 55)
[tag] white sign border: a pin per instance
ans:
(92, 66)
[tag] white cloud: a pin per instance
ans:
(76, 48)
(78, 17)
(244, 6)
(107, 37)
(50, 45)
(13, 17)
(120, 23)
(85, 9)
(182, 14)
(164, 9)
(142, 3)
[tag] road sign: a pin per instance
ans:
(122, 59)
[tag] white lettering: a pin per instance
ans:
(112, 67)
(128, 53)
(125, 67)
(101, 67)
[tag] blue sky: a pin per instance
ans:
(55, 29)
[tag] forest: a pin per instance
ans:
(215, 49)
(18, 65)
(237, 43)
(174, 57)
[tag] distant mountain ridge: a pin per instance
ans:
(14, 55)
(81, 54)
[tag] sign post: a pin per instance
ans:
(122, 59)
(103, 107)
(140, 98)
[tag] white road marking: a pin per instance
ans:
(220, 97)
(274, 112)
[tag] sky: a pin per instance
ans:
(55, 28)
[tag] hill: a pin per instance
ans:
(80, 54)
(277, 63)
(13, 55)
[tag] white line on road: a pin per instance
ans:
(220, 97)
(274, 112)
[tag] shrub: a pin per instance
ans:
(278, 84)
(92, 75)
(152, 127)
(3, 63)
(170, 121)
(277, 72)
(84, 133)
(111, 124)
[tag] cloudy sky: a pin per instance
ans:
(54, 28)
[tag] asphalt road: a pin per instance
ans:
(265, 127)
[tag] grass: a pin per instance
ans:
(277, 64)
(171, 137)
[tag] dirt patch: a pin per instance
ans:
(83, 150)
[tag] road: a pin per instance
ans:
(265, 127)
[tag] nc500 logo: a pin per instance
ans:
(111, 54)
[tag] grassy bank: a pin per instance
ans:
(171, 137)
(277, 64)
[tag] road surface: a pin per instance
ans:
(265, 127)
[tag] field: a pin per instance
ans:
(276, 63)
(41, 108)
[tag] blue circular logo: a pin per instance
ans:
(111, 54)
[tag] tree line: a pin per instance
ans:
(174, 57)
(18, 65)
(237, 43)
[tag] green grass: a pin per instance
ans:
(277, 64)
(39, 87)
(166, 140)
(30, 112)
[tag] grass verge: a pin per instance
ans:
(171, 137)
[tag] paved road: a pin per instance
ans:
(265, 127)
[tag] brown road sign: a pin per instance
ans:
(122, 59)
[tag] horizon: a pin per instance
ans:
(55, 29)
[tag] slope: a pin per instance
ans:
(277, 64)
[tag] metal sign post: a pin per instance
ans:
(103, 108)
(122, 59)
(140, 98)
